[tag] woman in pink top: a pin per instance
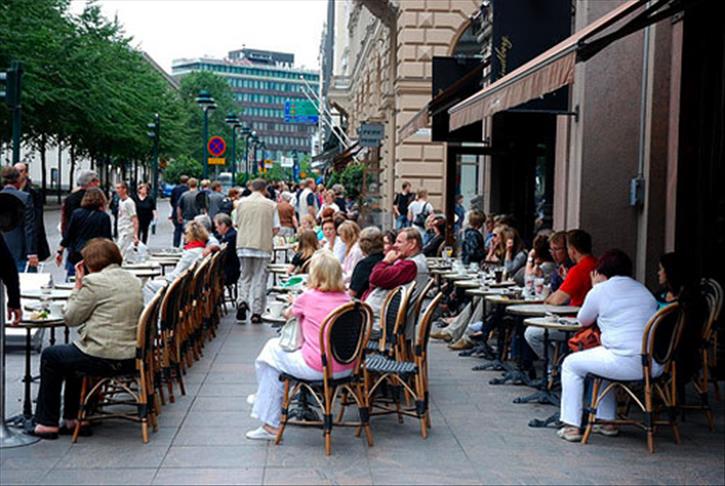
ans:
(325, 293)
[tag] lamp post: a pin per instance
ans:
(153, 133)
(207, 104)
(253, 153)
(233, 121)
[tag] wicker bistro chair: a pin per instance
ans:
(343, 336)
(135, 389)
(171, 336)
(413, 310)
(713, 294)
(659, 342)
(215, 305)
(411, 375)
(199, 296)
(392, 321)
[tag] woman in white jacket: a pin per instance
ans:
(621, 307)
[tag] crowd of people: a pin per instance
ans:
(342, 262)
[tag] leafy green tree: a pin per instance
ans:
(183, 165)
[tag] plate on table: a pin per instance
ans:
(293, 281)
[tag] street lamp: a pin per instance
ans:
(153, 133)
(232, 119)
(207, 104)
(253, 141)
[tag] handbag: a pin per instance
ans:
(290, 336)
(587, 338)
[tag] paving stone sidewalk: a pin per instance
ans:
(478, 436)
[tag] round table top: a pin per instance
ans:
(64, 285)
(144, 272)
(562, 324)
(507, 283)
(459, 276)
(468, 284)
(171, 252)
(439, 271)
(278, 269)
(505, 300)
(482, 292)
(50, 321)
(535, 310)
(54, 294)
(271, 318)
(141, 265)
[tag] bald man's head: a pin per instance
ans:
(23, 171)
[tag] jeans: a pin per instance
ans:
(61, 363)
(70, 269)
(178, 232)
(401, 222)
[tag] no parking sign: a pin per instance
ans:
(216, 146)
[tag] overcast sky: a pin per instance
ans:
(171, 29)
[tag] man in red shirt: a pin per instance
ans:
(574, 288)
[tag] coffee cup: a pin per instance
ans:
(498, 275)
(275, 309)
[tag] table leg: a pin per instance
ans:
(66, 333)
(52, 336)
(27, 402)
(543, 395)
(516, 375)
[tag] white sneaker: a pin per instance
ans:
(251, 398)
(260, 434)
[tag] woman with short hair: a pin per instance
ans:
(371, 245)
(621, 307)
(87, 222)
(105, 306)
(325, 292)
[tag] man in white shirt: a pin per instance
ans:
(419, 210)
(307, 200)
(127, 219)
(257, 221)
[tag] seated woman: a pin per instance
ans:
(325, 293)
(371, 245)
(540, 263)
(195, 238)
(349, 233)
(621, 307)
(438, 226)
(105, 306)
(306, 247)
(472, 247)
(87, 222)
(670, 277)
(515, 255)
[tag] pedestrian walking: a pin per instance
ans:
(287, 218)
(21, 240)
(145, 210)
(215, 199)
(257, 224)
(419, 210)
(307, 200)
(26, 185)
(127, 219)
(85, 180)
(400, 206)
(176, 194)
(188, 207)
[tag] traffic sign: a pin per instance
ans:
(300, 111)
(216, 161)
(370, 134)
(287, 162)
(217, 146)
(268, 163)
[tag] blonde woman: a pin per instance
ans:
(325, 293)
(306, 247)
(195, 238)
(349, 232)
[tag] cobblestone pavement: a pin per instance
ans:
(478, 436)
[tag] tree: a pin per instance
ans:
(182, 166)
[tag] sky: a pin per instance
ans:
(172, 29)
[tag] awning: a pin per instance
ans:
(419, 120)
(555, 68)
(324, 157)
(441, 101)
(343, 158)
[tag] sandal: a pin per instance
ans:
(256, 319)
(607, 431)
(570, 434)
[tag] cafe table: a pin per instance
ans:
(284, 249)
(548, 323)
(28, 325)
(50, 294)
(544, 394)
(144, 273)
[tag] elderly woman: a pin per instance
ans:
(87, 222)
(621, 307)
(105, 306)
(195, 241)
(349, 232)
(325, 293)
(371, 245)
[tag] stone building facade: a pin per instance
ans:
(383, 73)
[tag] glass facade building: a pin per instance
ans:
(261, 82)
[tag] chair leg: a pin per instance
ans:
(327, 421)
(285, 414)
(592, 410)
(81, 409)
(180, 379)
(420, 405)
(364, 412)
(649, 415)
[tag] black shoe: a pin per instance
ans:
(256, 319)
(242, 311)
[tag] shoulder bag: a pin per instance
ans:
(290, 336)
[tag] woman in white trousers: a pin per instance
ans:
(621, 307)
